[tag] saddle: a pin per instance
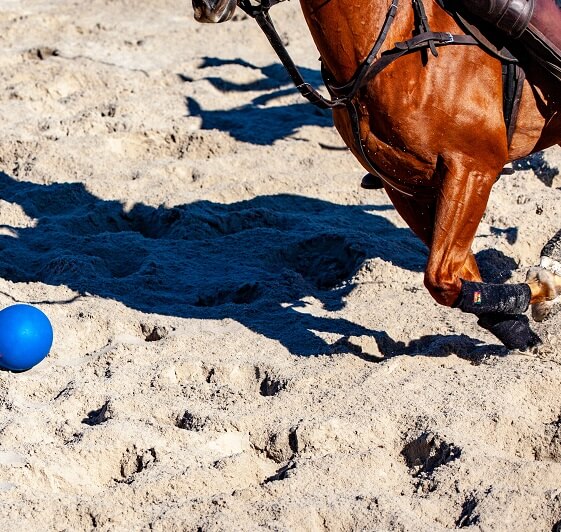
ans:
(529, 31)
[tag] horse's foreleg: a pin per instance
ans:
(419, 215)
(458, 211)
(462, 201)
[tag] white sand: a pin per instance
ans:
(242, 337)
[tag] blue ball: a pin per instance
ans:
(26, 336)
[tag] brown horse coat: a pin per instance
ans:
(434, 128)
(437, 126)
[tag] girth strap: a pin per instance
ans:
(513, 83)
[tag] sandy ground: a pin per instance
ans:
(242, 338)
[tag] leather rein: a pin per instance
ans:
(344, 95)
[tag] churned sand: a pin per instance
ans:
(242, 336)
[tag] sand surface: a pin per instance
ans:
(242, 337)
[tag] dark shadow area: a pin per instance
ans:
(495, 266)
(509, 233)
(252, 261)
(274, 75)
(433, 345)
(537, 163)
(255, 122)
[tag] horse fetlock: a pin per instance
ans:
(545, 284)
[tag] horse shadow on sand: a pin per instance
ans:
(257, 122)
(539, 165)
(252, 261)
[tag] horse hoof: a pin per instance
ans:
(549, 287)
(512, 330)
(545, 309)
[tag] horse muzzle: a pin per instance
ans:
(213, 11)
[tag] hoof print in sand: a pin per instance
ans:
(281, 446)
(135, 461)
(154, 333)
(269, 385)
(427, 452)
(469, 516)
(96, 417)
(325, 261)
(243, 295)
(189, 421)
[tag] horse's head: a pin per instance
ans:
(213, 10)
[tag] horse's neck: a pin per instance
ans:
(345, 30)
(340, 30)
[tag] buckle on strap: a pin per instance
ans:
(449, 38)
(422, 40)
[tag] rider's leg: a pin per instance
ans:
(535, 22)
(545, 23)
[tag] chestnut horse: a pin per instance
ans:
(433, 129)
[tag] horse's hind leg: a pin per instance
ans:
(545, 280)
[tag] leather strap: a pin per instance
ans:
(513, 83)
(370, 67)
(306, 90)
(399, 50)
(424, 26)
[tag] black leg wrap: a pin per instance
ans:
(483, 298)
(553, 248)
(513, 331)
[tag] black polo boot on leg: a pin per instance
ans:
(543, 35)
